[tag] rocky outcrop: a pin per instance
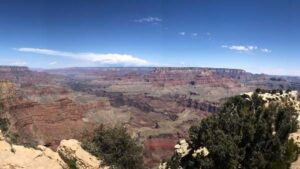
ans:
(20, 157)
(182, 149)
(41, 157)
(70, 150)
(281, 97)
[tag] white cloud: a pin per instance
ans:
(19, 63)
(53, 63)
(265, 50)
(194, 34)
(252, 47)
(109, 58)
(241, 48)
(148, 19)
(181, 33)
(246, 48)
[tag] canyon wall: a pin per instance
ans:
(157, 105)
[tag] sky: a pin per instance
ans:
(259, 36)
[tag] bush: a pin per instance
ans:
(4, 123)
(244, 134)
(10, 137)
(71, 163)
(116, 148)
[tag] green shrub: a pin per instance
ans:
(10, 137)
(244, 134)
(4, 124)
(116, 148)
(71, 164)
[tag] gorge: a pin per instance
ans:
(156, 104)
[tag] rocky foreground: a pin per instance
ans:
(68, 153)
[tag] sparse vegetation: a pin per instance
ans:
(277, 79)
(116, 148)
(244, 134)
(4, 125)
(192, 83)
(71, 164)
(10, 137)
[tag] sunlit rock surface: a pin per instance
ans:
(71, 150)
(20, 157)
(41, 157)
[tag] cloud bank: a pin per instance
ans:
(109, 58)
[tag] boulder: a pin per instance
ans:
(41, 157)
(70, 150)
(20, 157)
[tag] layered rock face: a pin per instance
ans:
(22, 75)
(49, 123)
(40, 109)
(7, 89)
(44, 123)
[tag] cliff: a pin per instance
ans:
(13, 69)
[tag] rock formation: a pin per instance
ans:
(20, 157)
(41, 157)
(70, 150)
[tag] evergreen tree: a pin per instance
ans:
(116, 148)
(244, 134)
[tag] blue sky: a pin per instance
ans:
(260, 36)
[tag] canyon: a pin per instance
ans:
(156, 104)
